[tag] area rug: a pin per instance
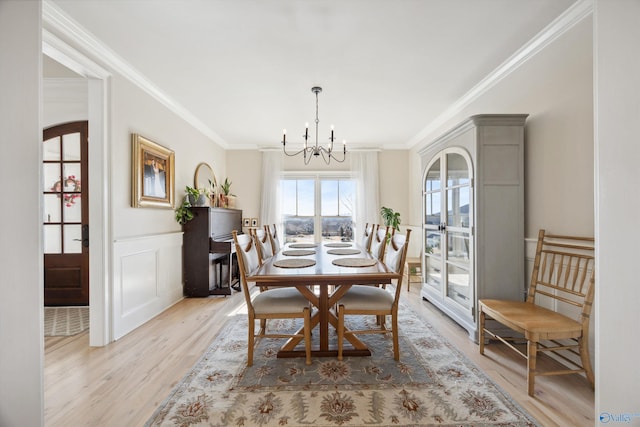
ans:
(432, 384)
(65, 321)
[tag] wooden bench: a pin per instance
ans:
(563, 277)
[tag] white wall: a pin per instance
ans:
(244, 170)
(134, 111)
(617, 109)
(394, 183)
(147, 242)
(21, 312)
(64, 100)
(555, 89)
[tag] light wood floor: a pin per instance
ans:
(123, 383)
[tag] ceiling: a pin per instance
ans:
(243, 69)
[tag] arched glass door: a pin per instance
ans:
(448, 228)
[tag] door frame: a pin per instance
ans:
(98, 78)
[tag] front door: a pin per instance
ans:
(66, 214)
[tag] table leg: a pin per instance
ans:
(322, 318)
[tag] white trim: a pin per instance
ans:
(567, 20)
(100, 332)
(52, 15)
(61, 52)
(316, 174)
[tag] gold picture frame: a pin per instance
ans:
(152, 174)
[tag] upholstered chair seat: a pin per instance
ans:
(363, 298)
(280, 300)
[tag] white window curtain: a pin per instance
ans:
(364, 166)
(271, 173)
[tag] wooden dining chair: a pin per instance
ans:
(562, 280)
(272, 230)
(379, 242)
(278, 303)
(367, 236)
(370, 300)
(263, 243)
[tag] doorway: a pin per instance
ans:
(66, 214)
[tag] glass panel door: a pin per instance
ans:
(62, 175)
(459, 283)
(433, 226)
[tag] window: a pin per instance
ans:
(317, 208)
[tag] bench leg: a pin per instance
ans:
(586, 360)
(532, 350)
(481, 331)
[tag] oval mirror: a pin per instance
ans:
(205, 178)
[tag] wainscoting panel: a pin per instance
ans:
(147, 279)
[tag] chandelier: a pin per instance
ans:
(315, 150)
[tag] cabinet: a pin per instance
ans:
(473, 216)
(209, 251)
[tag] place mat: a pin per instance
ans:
(294, 263)
(343, 251)
(338, 245)
(302, 245)
(298, 252)
(354, 262)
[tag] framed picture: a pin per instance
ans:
(246, 222)
(152, 174)
(254, 222)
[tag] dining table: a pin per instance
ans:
(322, 272)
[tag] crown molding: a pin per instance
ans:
(61, 23)
(567, 20)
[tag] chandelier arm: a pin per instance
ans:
(333, 156)
(284, 150)
(326, 159)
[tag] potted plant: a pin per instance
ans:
(183, 212)
(390, 218)
(213, 200)
(196, 196)
(227, 200)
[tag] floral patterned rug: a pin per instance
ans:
(432, 384)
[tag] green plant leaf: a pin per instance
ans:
(390, 218)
